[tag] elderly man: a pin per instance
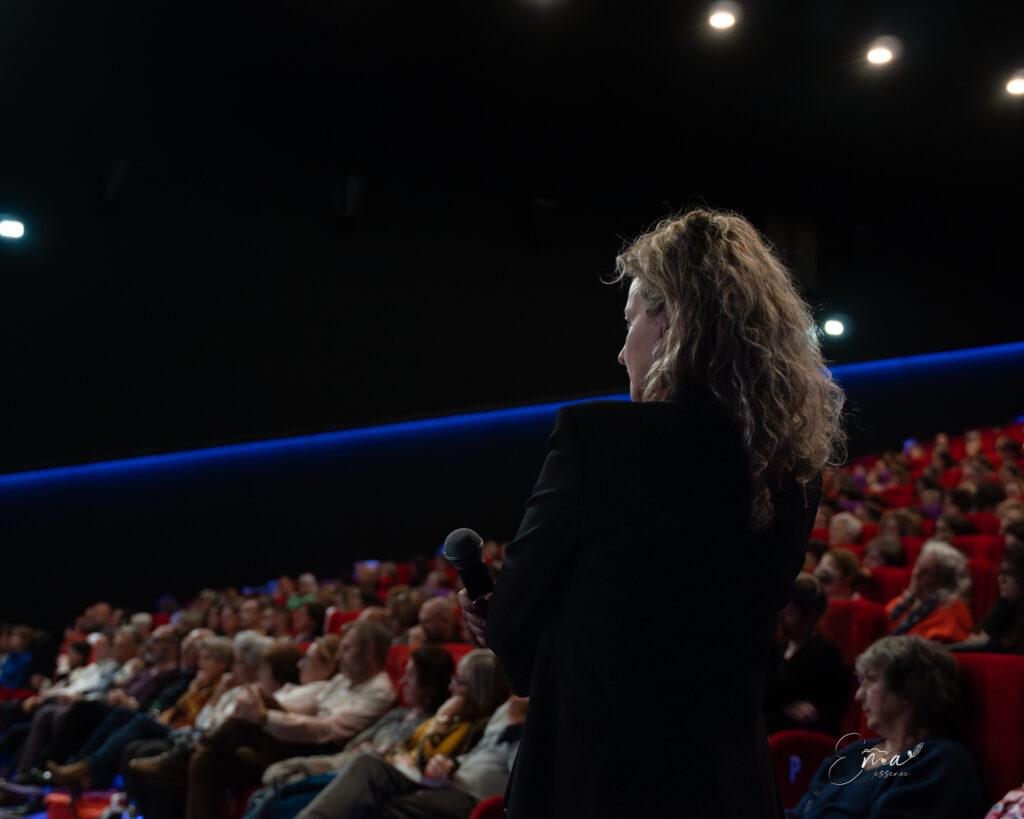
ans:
(437, 623)
(237, 752)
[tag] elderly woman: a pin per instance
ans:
(933, 604)
(717, 459)
(910, 697)
(478, 688)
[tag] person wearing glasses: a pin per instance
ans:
(910, 695)
(1002, 628)
(933, 605)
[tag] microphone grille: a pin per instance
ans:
(463, 548)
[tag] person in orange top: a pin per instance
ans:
(933, 606)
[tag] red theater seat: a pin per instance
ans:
(981, 547)
(994, 690)
(985, 522)
(983, 587)
(868, 531)
(337, 619)
(886, 583)
(912, 548)
(489, 808)
(853, 625)
(796, 755)
(927, 527)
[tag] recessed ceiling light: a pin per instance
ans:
(11, 229)
(722, 19)
(834, 327)
(883, 50)
(1016, 86)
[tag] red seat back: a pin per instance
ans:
(886, 583)
(868, 531)
(796, 755)
(336, 619)
(985, 522)
(994, 692)
(982, 547)
(489, 808)
(984, 587)
(912, 548)
(853, 625)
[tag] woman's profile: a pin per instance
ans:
(637, 604)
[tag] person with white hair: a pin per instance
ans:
(933, 605)
(844, 528)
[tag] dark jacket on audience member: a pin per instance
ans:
(636, 609)
(815, 673)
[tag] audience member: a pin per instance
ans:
(806, 683)
(884, 551)
(1002, 628)
(909, 694)
(238, 751)
(933, 604)
(840, 574)
(844, 528)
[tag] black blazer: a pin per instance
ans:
(636, 609)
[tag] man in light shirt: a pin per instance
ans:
(238, 751)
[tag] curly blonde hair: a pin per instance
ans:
(736, 323)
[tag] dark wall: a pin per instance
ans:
(130, 530)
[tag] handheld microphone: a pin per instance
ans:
(464, 549)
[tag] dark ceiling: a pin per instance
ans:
(244, 221)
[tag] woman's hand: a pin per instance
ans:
(474, 612)
(801, 711)
(439, 766)
(251, 707)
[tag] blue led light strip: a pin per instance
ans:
(883, 367)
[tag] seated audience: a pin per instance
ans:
(933, 604)
(450, 787)
(806, 683)
(437, 623)
(238, 751)
(884, 551)
(1010, 511)
(840, 574)
(98, 758)
(910, 696)
(15, 670)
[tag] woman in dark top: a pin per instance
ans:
(645, 702)
(911, 698)
(1002, 628)
(806, 685)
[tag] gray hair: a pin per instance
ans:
(372, 633)
(851, 523)
(222, 648)
(486, 686)
(132, 632)
(251, 645)
(919, 671)
(953, 574)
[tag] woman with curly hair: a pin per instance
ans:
(715, 467)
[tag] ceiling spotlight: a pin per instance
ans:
(724, 14)
(1016, 85)
(884, 50)
(11, 229)
(834, 327)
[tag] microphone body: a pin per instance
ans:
(464, 549)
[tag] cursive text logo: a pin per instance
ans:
(875, 757)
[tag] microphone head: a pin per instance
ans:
(464, 548)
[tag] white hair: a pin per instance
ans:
(953, 574)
